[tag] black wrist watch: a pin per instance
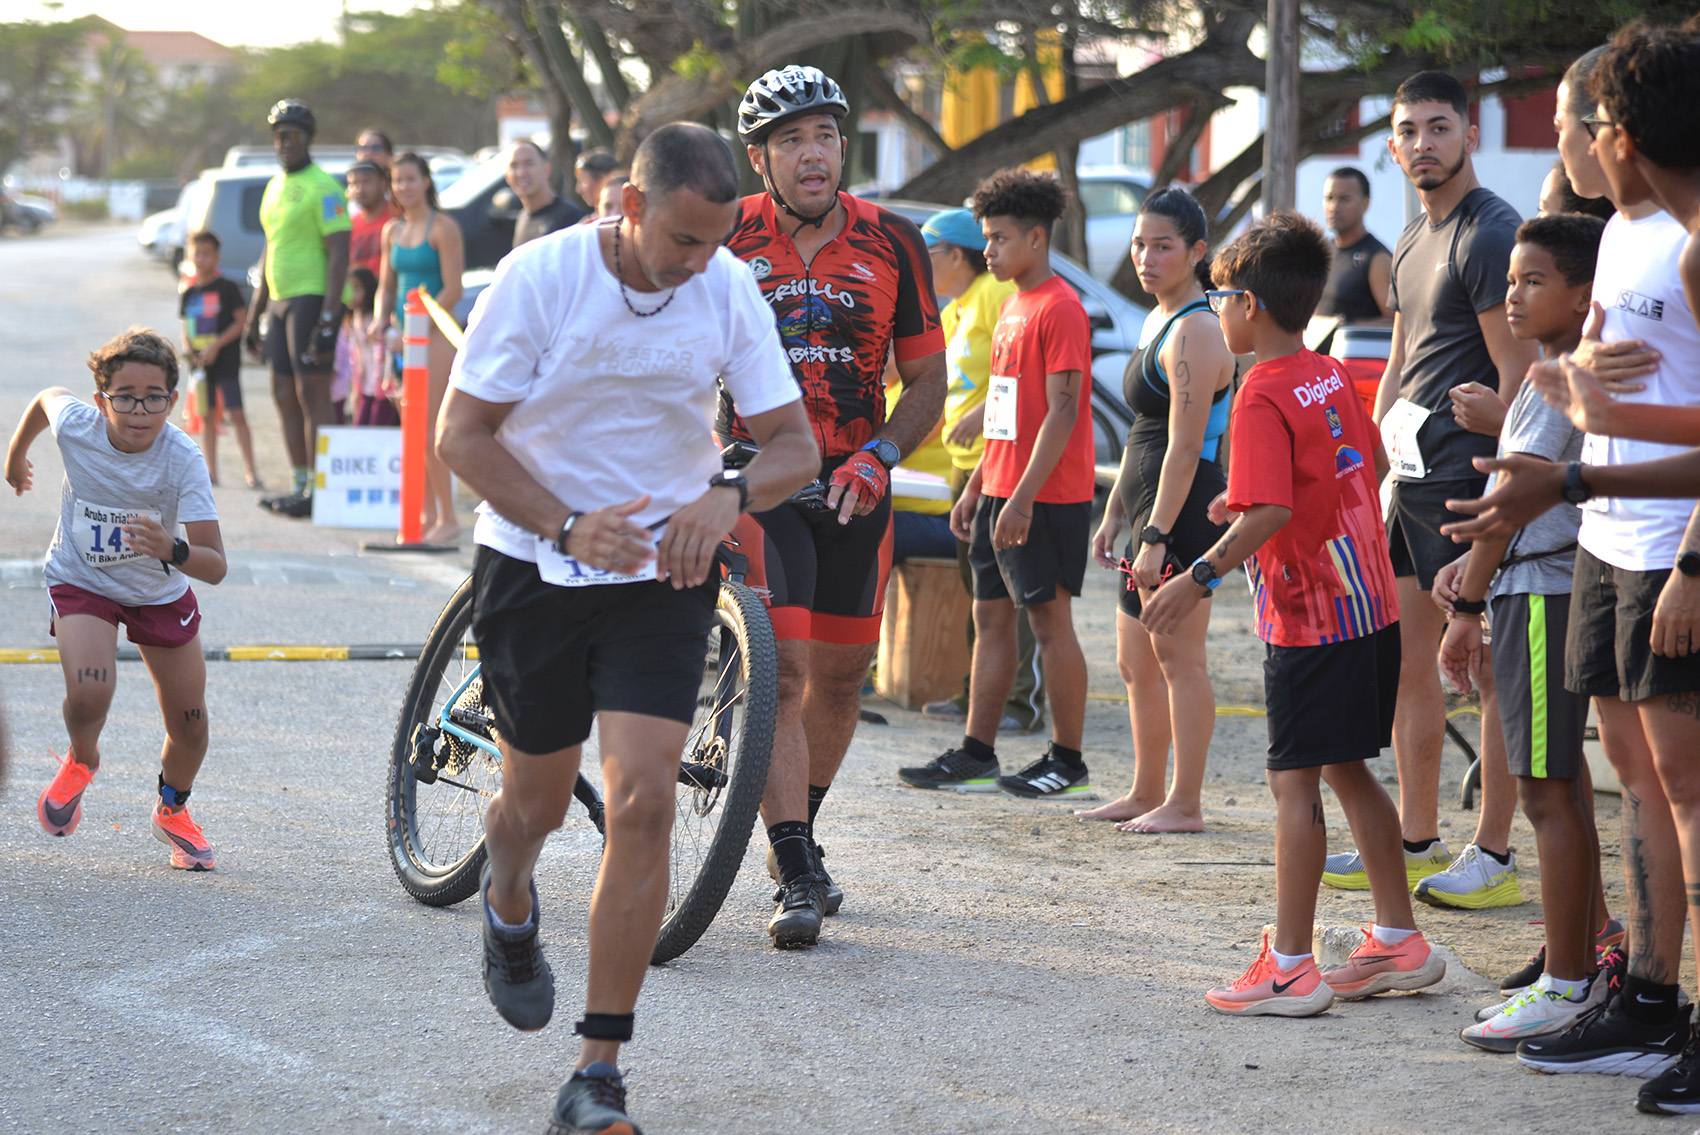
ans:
(1689, 564)
(1576, 490)
(1469, 606)
(885, 451)
(1204, 574)
(179, 554)
(566, 530)
(733, 479)
(1151, 534)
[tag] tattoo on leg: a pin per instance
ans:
(92, 674)
(1642, 962)
(1687, 704)
(191, 715)
(1693, 894)
(1316, 816)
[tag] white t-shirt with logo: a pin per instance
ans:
(103, 487)
(608, 406)
(1638, 284)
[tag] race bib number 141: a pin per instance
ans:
(99, 533)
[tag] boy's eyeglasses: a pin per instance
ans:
(1591, 122)
(1219, 299)
(127, 403)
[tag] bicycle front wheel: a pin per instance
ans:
(723, 772)
(444, 765)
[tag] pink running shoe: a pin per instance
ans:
(1374, 968)
(60, 805)
(1268, 990)
(189, 848)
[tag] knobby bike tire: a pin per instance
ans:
(724, 768)
(435, 831)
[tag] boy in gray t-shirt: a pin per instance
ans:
(130, 478)
(1552, 272)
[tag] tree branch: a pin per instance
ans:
(1178, 157)
(880, 87)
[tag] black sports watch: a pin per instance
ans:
(1469, 606)
(1689, 564)
(735, 479)
(1151, 534)
(886, 451)
(179, 554)
(1575, 490)
(1204, 574)
(566, 530)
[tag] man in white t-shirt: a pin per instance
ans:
(582, 409)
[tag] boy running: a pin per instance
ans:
(214, 317)
(1026, 510)
(1552, 279)
(1310, 531)
(130, 478)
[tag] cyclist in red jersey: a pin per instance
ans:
(850, 285)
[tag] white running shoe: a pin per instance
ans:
(1537, 1011)
(1473, 881)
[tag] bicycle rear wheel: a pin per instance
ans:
(444, 767)
(723, 772)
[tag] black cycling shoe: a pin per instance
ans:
(834, 892)
(801, 905)
(1515, 983)
(517, 978)
(592, 1102)
(298, 505)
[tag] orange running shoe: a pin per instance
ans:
(1374, 968)
(60, 805)
(189, 848)
(1268, 990)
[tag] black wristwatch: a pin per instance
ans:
(566, 530)
(733, 478)
(1151, 534)
(1469, 606)
(1576, 490)
(179, 554)
(885, 451)
(1204, 574)
(1689, 564)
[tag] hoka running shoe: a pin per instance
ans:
(1345, 871)
(1268, 990)
(1676, 1090)
(1609, 1042)
(60, 805)
(1375, 968)
(189, 847)
(1473, 881)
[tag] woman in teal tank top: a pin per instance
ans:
(423, 249)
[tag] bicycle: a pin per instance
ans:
(445, 764)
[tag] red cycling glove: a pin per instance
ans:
(864, 472)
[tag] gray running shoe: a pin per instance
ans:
(517, 978)
(593, 1102)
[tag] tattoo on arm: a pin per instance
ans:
(1186, 400)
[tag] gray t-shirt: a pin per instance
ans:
(1444, 276)
(104, 485)
(1533, 427)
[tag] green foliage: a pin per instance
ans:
(38, 83)
(699, 62)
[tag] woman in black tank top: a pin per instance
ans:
(1178, 385)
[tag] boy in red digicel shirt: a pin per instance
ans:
(1026, 510)
(1303, 478)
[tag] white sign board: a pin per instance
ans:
(357, 477)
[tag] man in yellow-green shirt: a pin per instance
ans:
(957, 249)
(305, 218)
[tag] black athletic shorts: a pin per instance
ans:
(825, 581)
(553, 657)
(1413, 525)
(1543, 721)
(1332, 703)
(226, 388)
(1058, 539)
(289, 336)
(1609, 652)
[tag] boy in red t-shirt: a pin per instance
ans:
(1306, 462)
(1026, 510)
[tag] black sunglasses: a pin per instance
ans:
(1591, 122)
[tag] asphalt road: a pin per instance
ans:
(997, 968)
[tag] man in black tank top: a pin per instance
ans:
(1363, 267)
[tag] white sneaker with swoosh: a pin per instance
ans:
(1537, 1011)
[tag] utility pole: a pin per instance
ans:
(1281, 87)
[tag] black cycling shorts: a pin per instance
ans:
(823, 581)
(289, 336)
(553, 657)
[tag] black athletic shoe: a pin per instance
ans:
(954, 770)
(834, 892)
(1048, 779)
(1609, 1042)
(1676, 1090)
(800, 907)
(1514, 983)
(298, 505)
(517, 978)
(592, 1102)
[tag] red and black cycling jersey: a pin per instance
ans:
(839, 316)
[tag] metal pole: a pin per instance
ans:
(1281, 128)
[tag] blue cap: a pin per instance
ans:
(954, 226)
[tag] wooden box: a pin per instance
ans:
(923, 652)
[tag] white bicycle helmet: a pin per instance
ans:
(785, 93)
